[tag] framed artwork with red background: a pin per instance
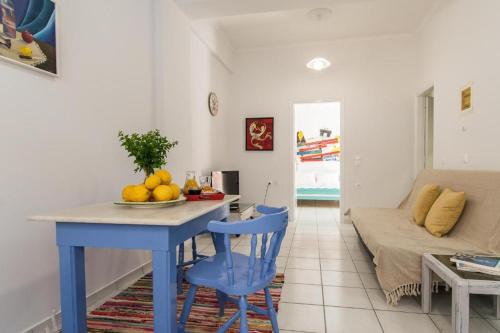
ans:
(259, 133)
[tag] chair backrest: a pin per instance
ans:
(269, 210)
(271, 226)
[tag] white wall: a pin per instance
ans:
(59, 135)
(188, 71)
(59, 148)
(458, 45)
(216, 41)
(374, 80)
(310, 118)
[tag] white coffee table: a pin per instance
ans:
(462, 284)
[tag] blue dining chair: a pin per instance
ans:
(232, 273)
(181, 263)
(266, 210)
(197, 257)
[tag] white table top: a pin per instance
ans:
(108, 213)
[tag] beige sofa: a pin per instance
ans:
(397, 244)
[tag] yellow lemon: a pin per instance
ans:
(165, 176)
(127, 191)
(26, 51)
(163, 193)
(152, 182)
(176, 190)
(139, 193)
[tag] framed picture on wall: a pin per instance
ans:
(28, 34)
(259, 133)
(466, 98)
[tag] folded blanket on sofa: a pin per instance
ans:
(397, 244)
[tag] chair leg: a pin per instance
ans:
(180, 269)
(271, 311)
(496, 302)
(181, 253)
(229, 323)
(193, 246)
(243, 318)
(221, 299)
(186, 309)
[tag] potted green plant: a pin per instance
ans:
(148, 150)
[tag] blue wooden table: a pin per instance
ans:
(159, 230)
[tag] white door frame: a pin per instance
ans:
(419, 130)
(292, 143)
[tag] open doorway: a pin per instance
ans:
(317, 128)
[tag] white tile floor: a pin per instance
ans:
(330, 284)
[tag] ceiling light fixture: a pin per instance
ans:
(318, 64)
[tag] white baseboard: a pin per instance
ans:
(94, 299)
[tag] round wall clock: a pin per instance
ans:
(213, 104)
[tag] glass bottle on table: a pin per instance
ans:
(191, 183)
(206, 184)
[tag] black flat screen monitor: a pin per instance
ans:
(227, 182)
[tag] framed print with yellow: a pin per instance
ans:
(466, 98)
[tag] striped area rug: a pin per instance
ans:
(131, 311)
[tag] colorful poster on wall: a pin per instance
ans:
(28, 33)
(259, 134)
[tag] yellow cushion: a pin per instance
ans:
(445, 212)
(425, 199)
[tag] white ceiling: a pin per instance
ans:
(262, 23)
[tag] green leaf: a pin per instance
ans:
(148, 150)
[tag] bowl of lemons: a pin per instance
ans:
(158, 190)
